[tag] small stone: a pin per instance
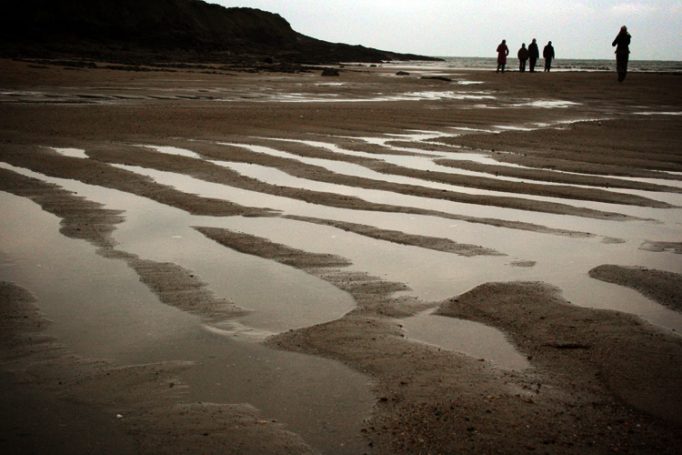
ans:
(330, 72)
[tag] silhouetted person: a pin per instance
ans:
(533, 55)
(622, 43)
(502, 52)
(548, 55)
(523, 57)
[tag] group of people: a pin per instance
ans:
(529, 54)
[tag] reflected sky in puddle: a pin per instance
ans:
(160, 233)
(173, 151)
(432, 278)
(302, 97)
(71, 152)
(630, 229)
(434, 275)
(281, 297)
(408, 162)
(481, 158)
(451, 95)
(427, 164)
(672, 113)
(654, 181)
(100, 309)
(98, 305)
(547, 104)
(208, 189)
(283, 385)
(340, 167)
(467, 337)
(514, 128)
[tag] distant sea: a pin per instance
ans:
(557, 65)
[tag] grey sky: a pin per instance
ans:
(578, 29)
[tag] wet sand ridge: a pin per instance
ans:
(545, 206)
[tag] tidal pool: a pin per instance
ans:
(467, 337)
(99, 309)
(431, 275)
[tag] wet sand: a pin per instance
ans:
(268, 263)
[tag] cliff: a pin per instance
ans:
(163, 30)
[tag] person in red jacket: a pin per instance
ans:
(502, 52)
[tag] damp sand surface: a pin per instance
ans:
(356, 308)
(129, 326)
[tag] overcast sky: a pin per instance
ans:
(474, 28)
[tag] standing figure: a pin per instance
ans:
(548, 55)
(533, 54)
(502, 52)
(622, 43)
(523, 56)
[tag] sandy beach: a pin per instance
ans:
(443, 261)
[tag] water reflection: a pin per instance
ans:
(99, 309)
(467, 337)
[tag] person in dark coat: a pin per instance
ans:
(502, 52)
(523, 56)
(533, 55)
(548, 55)
(622, 43)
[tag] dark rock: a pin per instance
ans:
(330, 72)
(567, 345)
(438, 78)
(402, 73)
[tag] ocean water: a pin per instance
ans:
(557, 65)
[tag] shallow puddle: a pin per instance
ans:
(436, 275)
(100, 309)
(630, 229)
(303, 97)
(427, 164)
(173, 151)
(208, 189)
(432, 275)
(547, 104)
(128, 323)
(280, 297)
(664, 182)
(649, 113)
(467, 337)
(71, 152)
(408, 162)
(98, 306)
(323, 401)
